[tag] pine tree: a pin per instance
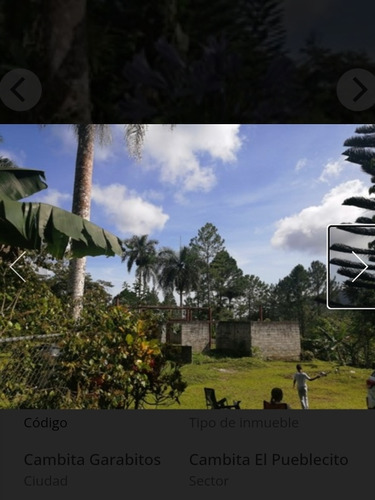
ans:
(207, 244)
(362, 152)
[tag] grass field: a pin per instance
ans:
(251, 380)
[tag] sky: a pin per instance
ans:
(270, 190)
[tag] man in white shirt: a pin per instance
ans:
(300, 379)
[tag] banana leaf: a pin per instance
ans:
(32, 225)
(38, 225)
(17, 183)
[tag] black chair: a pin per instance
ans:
(213, 404)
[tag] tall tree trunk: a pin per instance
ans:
(56, 49)
(81, 206)
(68, 57)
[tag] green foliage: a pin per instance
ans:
(37, 225)
(226, 275)
(17, 183)
(135, 296)
(345, 337)
(40, 226)
(28, 366)
(178, 271)
(207, 244)
(117, 365)
(96, 297)
(27, 307)
(141, 251)
(255, 294)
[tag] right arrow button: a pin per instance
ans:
(363, 270)
(363, 91)
(356, 89)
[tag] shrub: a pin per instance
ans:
(119, 365)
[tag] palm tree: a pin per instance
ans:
(178, 271)
(139, 250)
(81, 206)
(86, 135)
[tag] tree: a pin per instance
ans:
(126, 297)
(134, 136)
(317, 274)
(178, 270)
(126, 368)
(205, 66)
(346, 337)
(318, 278)
(81, 206)
(255, 295)
(226, 278)
(292, 296)
(141, 251)
(207, 244)
(95, 296)
(361, 151)
(130, 297)
(27, 307)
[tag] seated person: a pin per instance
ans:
(276, 399)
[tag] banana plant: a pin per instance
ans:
(36, 226)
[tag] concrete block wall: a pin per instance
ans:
(172, 334)
(234, 336)
(272, 339)
(277, 339)
(196, 334)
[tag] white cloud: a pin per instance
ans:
(128, 211)
(103, 151)
(333, 169)
(186, 155)
(54, 197)
(66, 136)
(152, 194)
(306, 230)
(17, 158)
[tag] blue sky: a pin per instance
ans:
(271, 190)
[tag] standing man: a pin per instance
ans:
(300, 378)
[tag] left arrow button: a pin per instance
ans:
(15, 91)
(11, 266)
(20, 89)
